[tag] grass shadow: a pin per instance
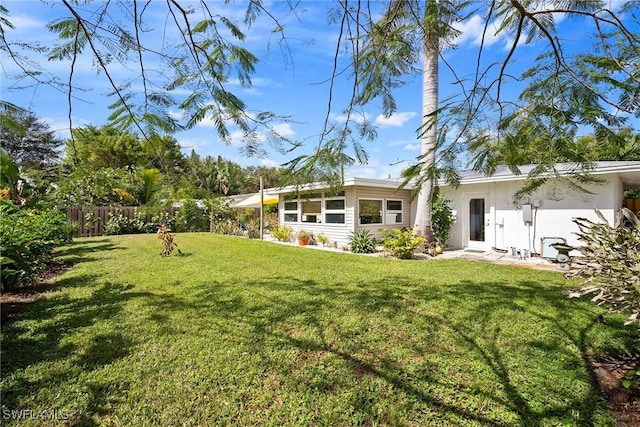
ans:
(420, 343)
(478, 329)
(80, 252)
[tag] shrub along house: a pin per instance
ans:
(487, 214)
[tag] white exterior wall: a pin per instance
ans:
(383, 194)
(505, 227)
(340, 233)
(336, 233)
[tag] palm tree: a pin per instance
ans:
(407, 29)
(429, 136)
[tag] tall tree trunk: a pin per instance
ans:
(429, 135)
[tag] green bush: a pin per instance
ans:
(253, 229)
(322, 239)
(118, 223)
(632, 194)
(28, 237)
(362, 242)
(282, 232)
(441, 219)
(191, 218)
(228, 226)
(401, 243)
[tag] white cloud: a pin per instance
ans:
(396, 120)
(192, 143)
(61, 126)
(356, 117)
(237, 138)
(377, 170)
(472, 30)
(284, 129)
(269, 163)
(255, 82)
(362, 172)
(412, 147)
(22, 22)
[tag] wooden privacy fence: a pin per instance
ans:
(91, 220)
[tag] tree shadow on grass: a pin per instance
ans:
(293, 313)
(69, 333)
(393, 330)
(79, 252)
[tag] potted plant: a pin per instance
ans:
(304, 237)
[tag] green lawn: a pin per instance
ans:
(241, 332)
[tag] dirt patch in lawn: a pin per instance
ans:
(13, 300)
(623, 403)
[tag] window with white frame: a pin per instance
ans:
(290, 211)
(334, 211)
(393, 212)
(369, 211)
(311, 210)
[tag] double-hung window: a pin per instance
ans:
(369, 211)
(393, 212)
(291, 211)
(311, 210)
(334, 211)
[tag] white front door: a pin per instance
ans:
(477, 221)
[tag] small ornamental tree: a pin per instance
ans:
(610, 265)
(441, 218)
(168, 243)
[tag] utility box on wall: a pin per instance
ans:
(527, 213)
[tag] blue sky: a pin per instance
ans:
(289, 84)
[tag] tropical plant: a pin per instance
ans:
(609, 262)
(401, 243)
(9, 178)
(22, 191)
(362, 242)
(150, 183)
(190, 217)
(168, 241)
(282, 232)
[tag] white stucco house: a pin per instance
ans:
(487, 214)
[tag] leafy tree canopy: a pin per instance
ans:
(566, 89)
(109, 147)
(91, 186)
(28, 140)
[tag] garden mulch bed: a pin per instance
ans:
(623, 403)
(13, 300)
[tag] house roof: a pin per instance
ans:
(629, 171)
(348, 182)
